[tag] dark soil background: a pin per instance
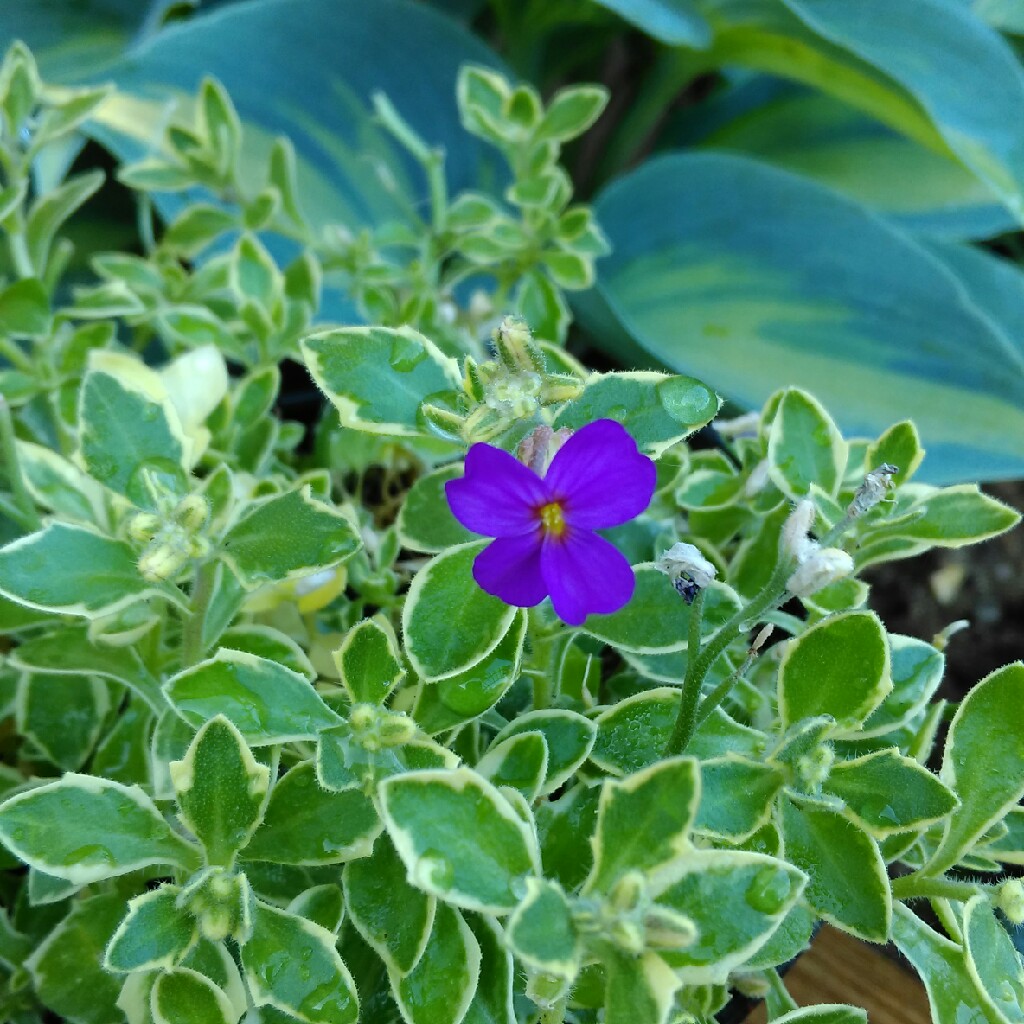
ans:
(983, 584)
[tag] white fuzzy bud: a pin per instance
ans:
(818, 569)
(795, 540)
(687, 568)
(1010, 900)
(875, 487)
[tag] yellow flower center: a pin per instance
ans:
(552, 521)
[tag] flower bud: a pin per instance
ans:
(560, 387)
(795, 541)
(144, 527)
(628, 892)
(821, 567)
(815, 766)
(472, 380)
(627, 935)
(546, 989)
(362, 717)
(538, 448)
(668, 929)
(163, 561)
(192, 512)
(443, 422)
(515, 346)
(1010, 900)
(396, 730)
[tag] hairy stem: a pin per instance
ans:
(192, 632)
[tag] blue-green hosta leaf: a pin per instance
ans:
(736, 900)
(675, 22)
(459, 838)
(305, 824)
(435, 650)
(82, 829)
(293, 965)
(220, 788)
(717, 271)
(308, 69)
(65, 966)
(839, 667)
(288, 536)
(155, 933)
(438, 990)
(266, 702)
(643, 821)
(394, 918)
(97, 575)
(822, 138)
(983, 762)
(942, 968)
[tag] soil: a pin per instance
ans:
(983, 584)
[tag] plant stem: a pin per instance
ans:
(192, 631)
(554, 1014)
(778, 1000)
(917, 886)
(8, 448)
(702, 658)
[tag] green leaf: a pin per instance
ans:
(183, 996)
(62, 715)
(824, 1013)
(368, 662)
(154, 934)
(83, 829)
(983, 761)
(791, 938)
(394, 918)
(643, 820)
(493, 1000)
(322, 904)
(916, 670)
(220, 788)
(122, 428)
(737, 293)
(569, 738)
(658, 410)
(65, 966)
(940, 963)
(98, 575)
(885, 793)
(292, 965)
(838, 667)
(266, 702)
(440, 987)
(24, 309)
(425, 520)
(737, 796)
(196, 227)
(565, 826)
(288, 536)
(541, 932)
(304, 824)
(639, 989)
(376, 377)
(848, 881)
(50, 211)
(520, 762)
(736, 900)
(254, 274)
(805, 447)
(571, 112)
(675, 22)
(459, 838)
(271, 644)
(992, 961)
(435, 650)
(633, 733)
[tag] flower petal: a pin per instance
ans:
(585, 575)
(497, 496)
(601, 476)
(509, 568)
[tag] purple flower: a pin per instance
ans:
(545, 526)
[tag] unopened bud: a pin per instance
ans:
(668, 929)
(546, 989)
(821, 567)
(538, 448)
(472, 381)
(757, 480)
(628, 892)
(689, 571)
(443, 422)
(396, 730)
(815, 766)
(560, 387)
(192, 512)
(515, 346)
(875, 487)
(163, 561)
(751, 985)
(144, 527)
(1010, 900)
(362, 717)
(516, 395)
(627, 935)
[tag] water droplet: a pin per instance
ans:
(768, 890)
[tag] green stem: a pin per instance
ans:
(8, 448)
(778, 1001)
(917, 886)
(192, 632)
(19, 254)
(701, 663)
(10, 351)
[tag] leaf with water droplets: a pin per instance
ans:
(293, 965)
(154, 934)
